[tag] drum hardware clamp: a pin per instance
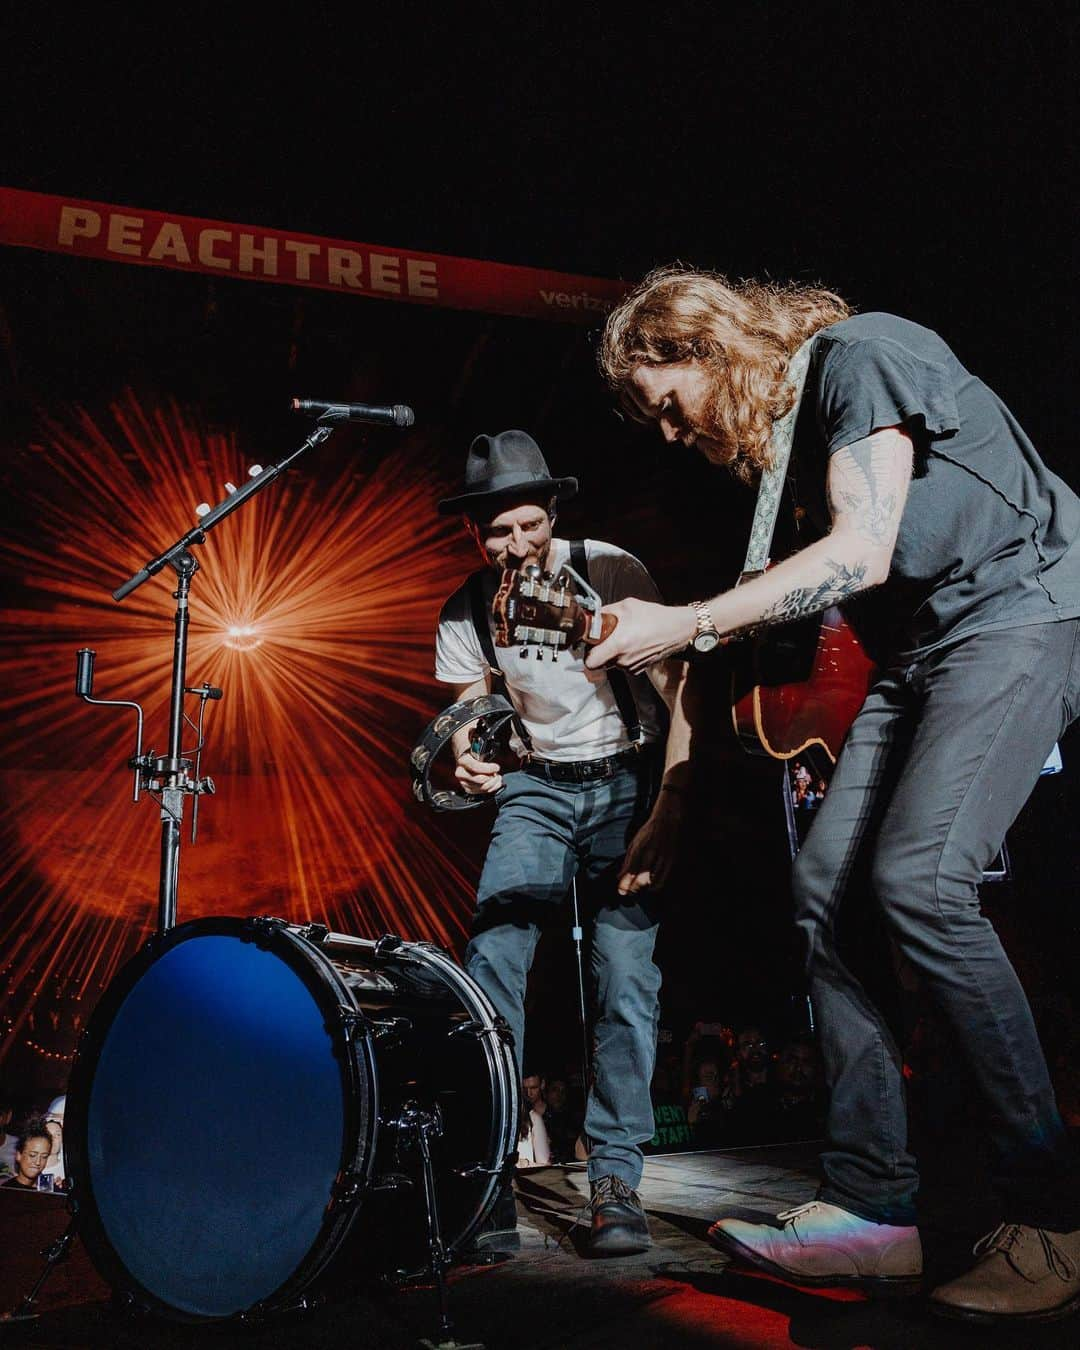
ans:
(349, 1188)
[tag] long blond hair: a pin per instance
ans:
(744, 332)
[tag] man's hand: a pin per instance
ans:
(651, 853)
(477, 776)
(645, 632)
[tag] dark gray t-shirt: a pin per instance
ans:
(989, 538)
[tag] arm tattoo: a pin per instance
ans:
(839, 584)
(863, 486)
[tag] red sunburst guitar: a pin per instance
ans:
(799, 685)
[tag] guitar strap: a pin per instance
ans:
(772, 479)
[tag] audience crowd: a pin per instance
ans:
(725, 1087)
(32, 1145)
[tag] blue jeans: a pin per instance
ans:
(935, 769)
(544, 835)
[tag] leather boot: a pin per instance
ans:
(619, 1226)
(1022, 1275)
(822, 1245)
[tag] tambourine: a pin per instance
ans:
(491, 713)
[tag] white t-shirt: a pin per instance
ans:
(570, 712)
(535, 1149)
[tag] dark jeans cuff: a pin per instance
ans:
(900, 1214)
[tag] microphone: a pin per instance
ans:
(205, 691)
(396, 416)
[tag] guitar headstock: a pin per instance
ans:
(532, 609)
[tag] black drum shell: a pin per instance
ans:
(372, 1027)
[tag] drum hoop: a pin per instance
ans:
(332, 996)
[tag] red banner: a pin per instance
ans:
(218, 248)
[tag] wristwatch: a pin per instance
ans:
(707, 635)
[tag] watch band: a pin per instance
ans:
(705, 623)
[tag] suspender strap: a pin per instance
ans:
(617, 678)
(480, 617)
(480, 622)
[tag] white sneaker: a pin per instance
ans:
(819, 1244)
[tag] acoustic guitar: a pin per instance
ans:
(800, 684)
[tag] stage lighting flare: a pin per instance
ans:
(336, 579)
(242, 637)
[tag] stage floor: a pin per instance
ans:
(550, 1297)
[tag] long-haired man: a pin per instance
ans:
(940, 523)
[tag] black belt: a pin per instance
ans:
(583, 770)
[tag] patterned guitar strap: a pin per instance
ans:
(772, 479)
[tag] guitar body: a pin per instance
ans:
(800, 685)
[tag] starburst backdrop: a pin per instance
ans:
(313, 608)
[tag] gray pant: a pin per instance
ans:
(935, 769)
(544, 835)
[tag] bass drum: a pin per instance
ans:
(238, 1115)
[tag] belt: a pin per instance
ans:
(583, 770)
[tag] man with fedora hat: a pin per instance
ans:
(584, 804)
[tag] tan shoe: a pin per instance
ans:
(1022, 1275)
(823, 1245)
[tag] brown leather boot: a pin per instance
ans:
(1022, 1275)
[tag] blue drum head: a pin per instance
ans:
(215, 1122)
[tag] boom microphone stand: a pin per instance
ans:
(170, 774)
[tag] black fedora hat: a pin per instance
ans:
(505, 465)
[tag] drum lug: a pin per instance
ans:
(393, 1181)
(476, 1030)
(477, 1170)
(262, 929)
(314, 932)
(389, 1030)
(387, 945)
(351, 1021)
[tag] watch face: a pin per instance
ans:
(705, 642)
